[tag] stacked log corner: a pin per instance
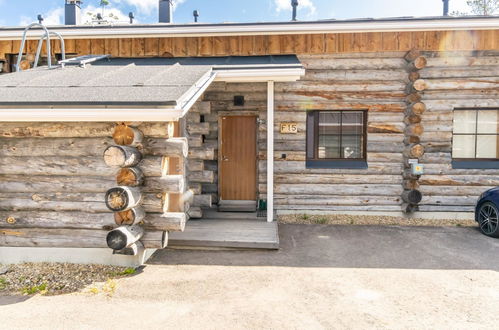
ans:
(414, 150)
(125, 199)
(202, 132)
(138, 229)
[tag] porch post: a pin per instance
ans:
(270, 151)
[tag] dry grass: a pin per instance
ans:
(345, 219)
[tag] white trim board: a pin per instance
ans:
(230, 29)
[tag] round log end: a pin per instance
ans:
(116, 239)
(420, 85)
(418, 108)
(420, 62)
(416, 151)
(412, 196)
(124, 218)
(414, 75)
(117, 199)
(114, 156)
(413, 97)
(130, 176)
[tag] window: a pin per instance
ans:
(475, 142)
(336, 139)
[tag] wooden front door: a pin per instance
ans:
(237, 158)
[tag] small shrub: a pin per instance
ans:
(3, 283)
(29, 290)
(305, 217)
(321, 221)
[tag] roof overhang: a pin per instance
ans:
(230, 29)
(22, 112)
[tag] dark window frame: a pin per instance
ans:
(315, 161)
(473, 163)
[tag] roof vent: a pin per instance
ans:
(82, 60)
(73, 12)
(446, 7)
(195, 13)
(294, 4)
(166, 11)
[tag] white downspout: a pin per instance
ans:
(270, 151)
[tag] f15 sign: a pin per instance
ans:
(289, 128)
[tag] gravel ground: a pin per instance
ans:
(56, 278)
(345, 219)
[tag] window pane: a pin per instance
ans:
(351, 146)
(352, 122)
(487, 121)
(329, 122)
(465, 121)
(329, 146)
(487, 146)
(463, 146)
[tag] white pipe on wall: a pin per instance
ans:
(270, 151)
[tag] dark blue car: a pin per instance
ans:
(487, 212)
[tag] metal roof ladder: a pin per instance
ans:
(46, 37)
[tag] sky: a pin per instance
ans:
(23, 12)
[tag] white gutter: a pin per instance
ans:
(264, 75)
(88, 114)
(162, 30)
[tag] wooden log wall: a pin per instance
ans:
(454, 80)
(401, 126)
(54, 178)
(202, 134)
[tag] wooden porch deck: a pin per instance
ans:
(228, 230)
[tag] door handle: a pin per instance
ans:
(225, 159)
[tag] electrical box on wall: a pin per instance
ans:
(417, 169)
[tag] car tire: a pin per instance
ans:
(488, 219)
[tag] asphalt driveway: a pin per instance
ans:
(332, 277)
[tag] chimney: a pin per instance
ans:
(166, 11)
(446, 7)
(294, 4)
(73, 12)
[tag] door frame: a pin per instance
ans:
(249, 113)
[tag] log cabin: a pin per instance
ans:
(124, 132)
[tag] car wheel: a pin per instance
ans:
(488, 216)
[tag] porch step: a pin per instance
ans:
(252, 234)
(213, 213)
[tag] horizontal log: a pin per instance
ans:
(312, 200)
(343, 189)
(202, 107)
(195, 141)
(352, 63)
(155, 239)
(202, 200)
(337, 179)
(202, 153)
(202, 177)
(70, 238)
(458, 84)
(66, 147)
(195, 213)
(167, 221)
(293, 167)
(195, 187)
(167, 184)
(195, 165)
(198, 128)
(80, 202)
(74, 130)
(172, 147)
